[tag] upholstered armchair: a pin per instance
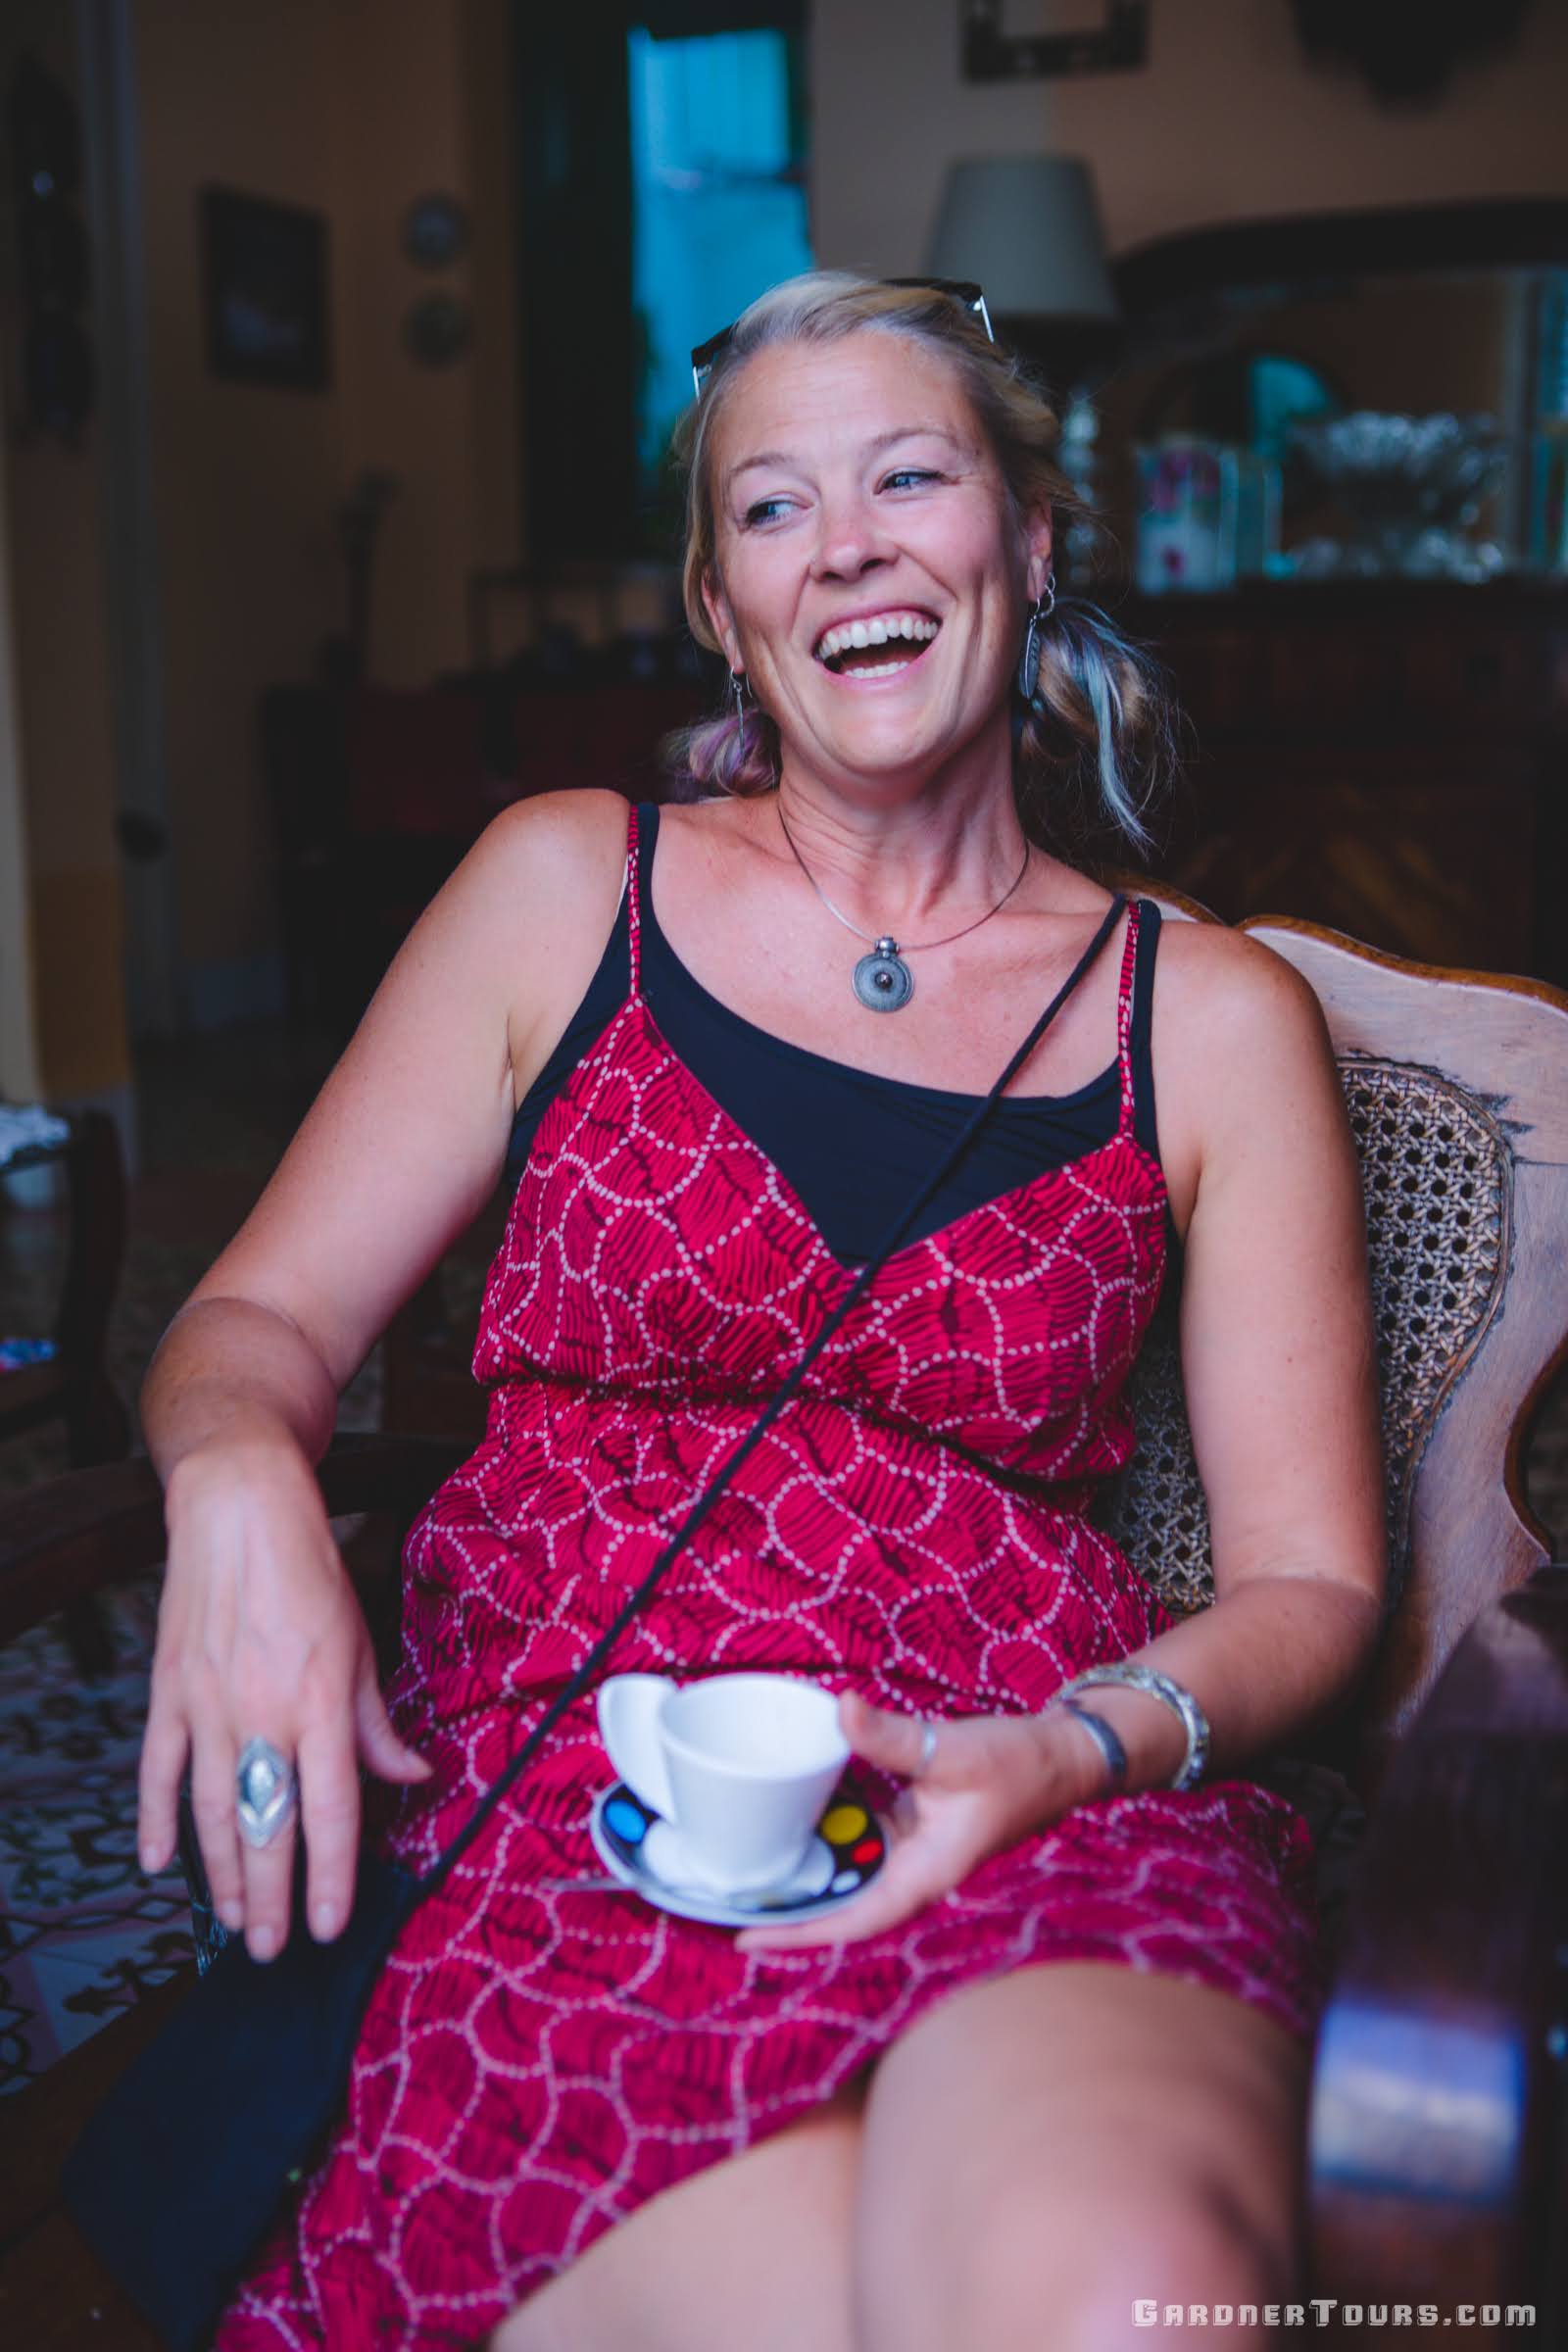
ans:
(1436, 2160)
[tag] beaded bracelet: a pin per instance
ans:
(1195, 1723)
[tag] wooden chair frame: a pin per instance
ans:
(1435, 2153)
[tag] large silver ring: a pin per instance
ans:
(928, 1747)
(267, 1791)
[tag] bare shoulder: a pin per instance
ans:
(548, 876)
(537, 864)
(1221, 989)
(406, 1139)
(1238, 1044)
(557, 842)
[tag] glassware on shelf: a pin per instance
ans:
(1410, 487)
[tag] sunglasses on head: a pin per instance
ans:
(962, 290)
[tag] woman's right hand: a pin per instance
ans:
(259, 1633)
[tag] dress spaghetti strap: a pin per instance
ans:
(633, 897)
(1124, 1021)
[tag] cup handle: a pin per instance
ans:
(628, 1725)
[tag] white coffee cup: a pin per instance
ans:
(740, 1765)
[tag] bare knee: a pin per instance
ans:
(1047, 2269)
(1195, 2247)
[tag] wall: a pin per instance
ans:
(424, 100)
(244, 480)
(51, 518)
(351, 106)
(1225, 121)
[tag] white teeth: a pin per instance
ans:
(850, 635)
(864, 669)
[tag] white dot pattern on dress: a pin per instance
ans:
(538, 2060)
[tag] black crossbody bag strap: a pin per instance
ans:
(764, 1420)
(182, 2169)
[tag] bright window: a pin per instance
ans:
(719, 203)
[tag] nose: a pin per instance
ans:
(849, 541)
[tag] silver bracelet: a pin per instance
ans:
(1195, 1723)
(1105, 1740)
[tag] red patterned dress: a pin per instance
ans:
(539, 2059)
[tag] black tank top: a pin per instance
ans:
(854, 1146)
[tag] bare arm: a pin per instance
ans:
(259, 1633)
(1277, 1356)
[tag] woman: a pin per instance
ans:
(1052, 2058)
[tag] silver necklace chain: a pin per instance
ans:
(882, 981)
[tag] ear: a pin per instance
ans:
(1038, 540)
(715, 604)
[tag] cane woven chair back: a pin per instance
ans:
(1456, 1085)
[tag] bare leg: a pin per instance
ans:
(1034, 2153)
(1044, 2148)
(754, 2251)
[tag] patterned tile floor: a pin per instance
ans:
(81, 1933)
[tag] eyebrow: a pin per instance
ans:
(879, 442)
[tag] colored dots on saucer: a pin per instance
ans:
(847, 1852)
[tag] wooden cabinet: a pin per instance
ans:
(1386, 758)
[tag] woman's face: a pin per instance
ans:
(871, 576)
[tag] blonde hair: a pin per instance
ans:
(1095, 744)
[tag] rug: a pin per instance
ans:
(83, 1934)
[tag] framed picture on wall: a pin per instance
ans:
(1115, 39)
(265, 291)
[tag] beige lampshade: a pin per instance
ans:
(1027, 227)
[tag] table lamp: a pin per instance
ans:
(1027, 227)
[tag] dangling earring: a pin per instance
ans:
(738, 688)
(1029, 666)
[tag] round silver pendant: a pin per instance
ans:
(883, 981)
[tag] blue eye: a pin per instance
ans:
(764, 511)
(908, 473)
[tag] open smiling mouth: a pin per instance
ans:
(876, 646)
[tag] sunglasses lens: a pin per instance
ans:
(704, 354)
(965, 290)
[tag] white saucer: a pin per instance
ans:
(648, 1853)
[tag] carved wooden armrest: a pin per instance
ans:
(71, 1535)
(1440, 2063)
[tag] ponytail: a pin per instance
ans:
(1096, 746)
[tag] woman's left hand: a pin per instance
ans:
(992, 1779)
